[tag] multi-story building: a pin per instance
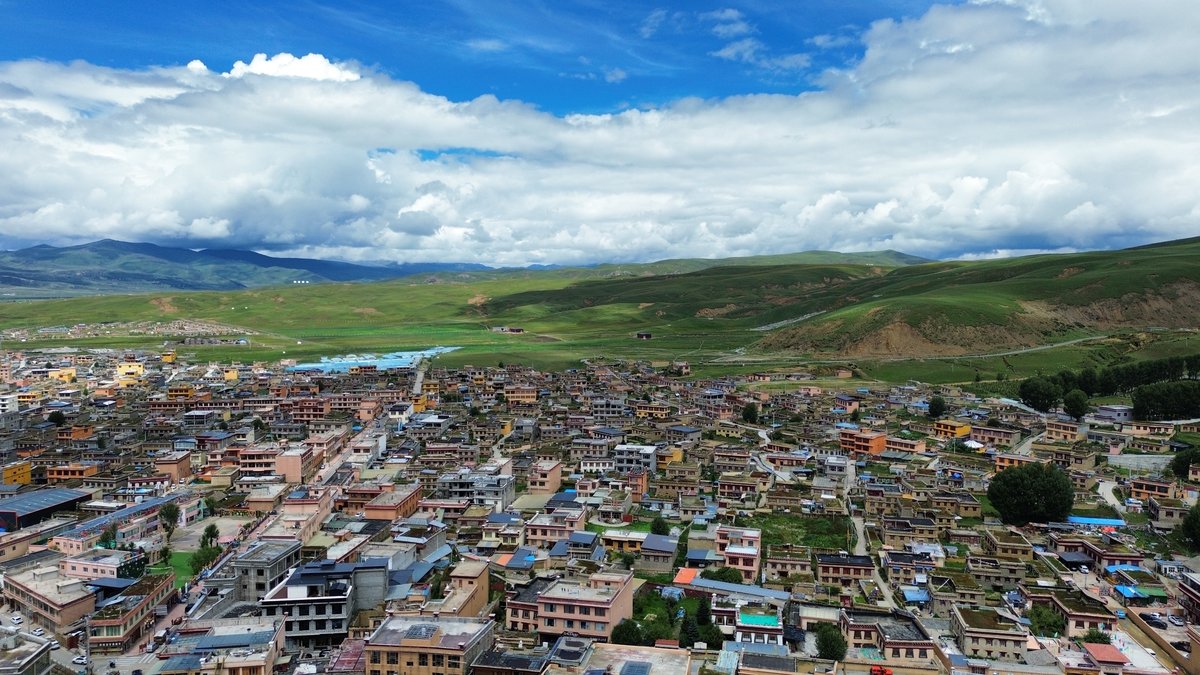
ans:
(319, 599)
(1000, 438)
(102, 563)
(896, 636)
(984, 633)
(545, 477)
(1079, 610)
(589, 607)
(899, 531)
(117, 626)
(627, 458)
(951, 429)
(741, 549)
(546, 529)
(48, 598)
(261, 567)
(487, 489)
(997, 573)
(862, 443)
(21, 655)
(1145, 488)
(417, 645)
(1007, 544)
(844, 569)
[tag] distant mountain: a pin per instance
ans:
(110, 266)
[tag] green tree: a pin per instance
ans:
(831, 644)
(628, 632)
(1039, 393)
(203, 558)
(164, 554)
(1033, 492)
(1045, 622)
(1096, 636)
(1075, 403)
(750, 413)
(712, 636)
(209, 536)
(57, 418)
(704, 612)
(726, 574)
(1190, 527)
(1182, 461)
(108, 537)
(168, 517)
(659, 526)
(627, 559)
(937, 407)
(689, 633)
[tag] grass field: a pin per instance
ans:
(180, 563)
(707, 317)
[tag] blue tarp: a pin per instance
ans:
(1130, 592)
(916, 595)
(1099, 522)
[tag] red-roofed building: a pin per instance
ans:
(1105, 655)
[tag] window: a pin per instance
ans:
(422, 659)
(393, 658)
(375, 658)
(438, 660)
(549, 622)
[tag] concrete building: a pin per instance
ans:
(488, 489)
(319, 598)
(985, 633)
(49, 598)
(120, 622)
(20, 655)
(32, 508)
(416, 645)
(261, 567)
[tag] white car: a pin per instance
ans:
(17, 619)
(39, 631)
(54, 644)
(79, 660)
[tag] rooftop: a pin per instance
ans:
(445, 633)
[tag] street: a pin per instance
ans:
(1106, 488)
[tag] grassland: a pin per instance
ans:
(935, 322)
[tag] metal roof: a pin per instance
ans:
(40, 500)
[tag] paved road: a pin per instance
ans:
(860, 542)
(1106, 491)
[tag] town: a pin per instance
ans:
(166, 517)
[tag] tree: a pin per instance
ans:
(704, 612)
(831, 644)
(164, 554)
(937, 407)
(690, 632)
(750, 413)
(203, 558)
(210, 535)
(1033, 492)
(712, 636)
(628, 632)
(627, 559)
(57, 418)
(1183, 460)
(1039, 393)
(726, 574)
(168, 516)
(1096, 636)
(1190, 527)
(108, 537)
(659, 526)
(1075, 403)
(1045, 622)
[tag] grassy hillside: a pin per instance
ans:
(961, 307)
(738, 315)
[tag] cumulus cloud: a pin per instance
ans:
(754, 52)
(1063, 126)
(309, 66)
(728, 23)
(652, 22)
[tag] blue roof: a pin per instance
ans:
(40, 500)
(1102, 522)
(1130, 592)
(740, 589)
(1122, 568)
(916, 595)
(98, 523)
(181, 663)
(211, 642)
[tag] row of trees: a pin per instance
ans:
(1167, 400)
(1044, 392)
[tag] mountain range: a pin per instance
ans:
(110, 266)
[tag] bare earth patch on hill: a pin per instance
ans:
(713, 312)
(367, 311)
(164, 305)
(478, 300)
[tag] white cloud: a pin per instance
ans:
(754, 52)
(309, 66)
(487, 45)
(615, 75)
(728, 23)
(651, 23)
(1064, 126)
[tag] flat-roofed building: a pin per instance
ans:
(1007, 544)
(1078, 609)
(31, 508)
(48, 597)
(117, 625)
(984, 633)
(20, 655)
(417, 645)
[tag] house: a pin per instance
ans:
(985, 633)
(1079, 610)
(417, 645)
(844, 569)
(1007, 544)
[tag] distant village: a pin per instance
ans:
(160, 516)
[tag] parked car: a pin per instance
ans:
(1177, 620)
(39, 631)
(1182, 645)
(16, 619)
(79, 660)
(1156, 623)
(1149, 616)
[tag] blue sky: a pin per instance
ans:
(592, 56)
(601, 131)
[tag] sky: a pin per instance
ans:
(600, 131)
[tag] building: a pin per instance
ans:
(20, 655)
(121, 621)
(1007, 544)
(984, 633)
(862, 443)
(589, 607)
(1079, 610)
(261, 567)
(103, 563)
(844, 569)
(239, 646)
(49, 598)
(319, 598)
(487, 489)
(950, 429)
(32, 508)
(416, 645)
(545, 477)
(897, 636)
